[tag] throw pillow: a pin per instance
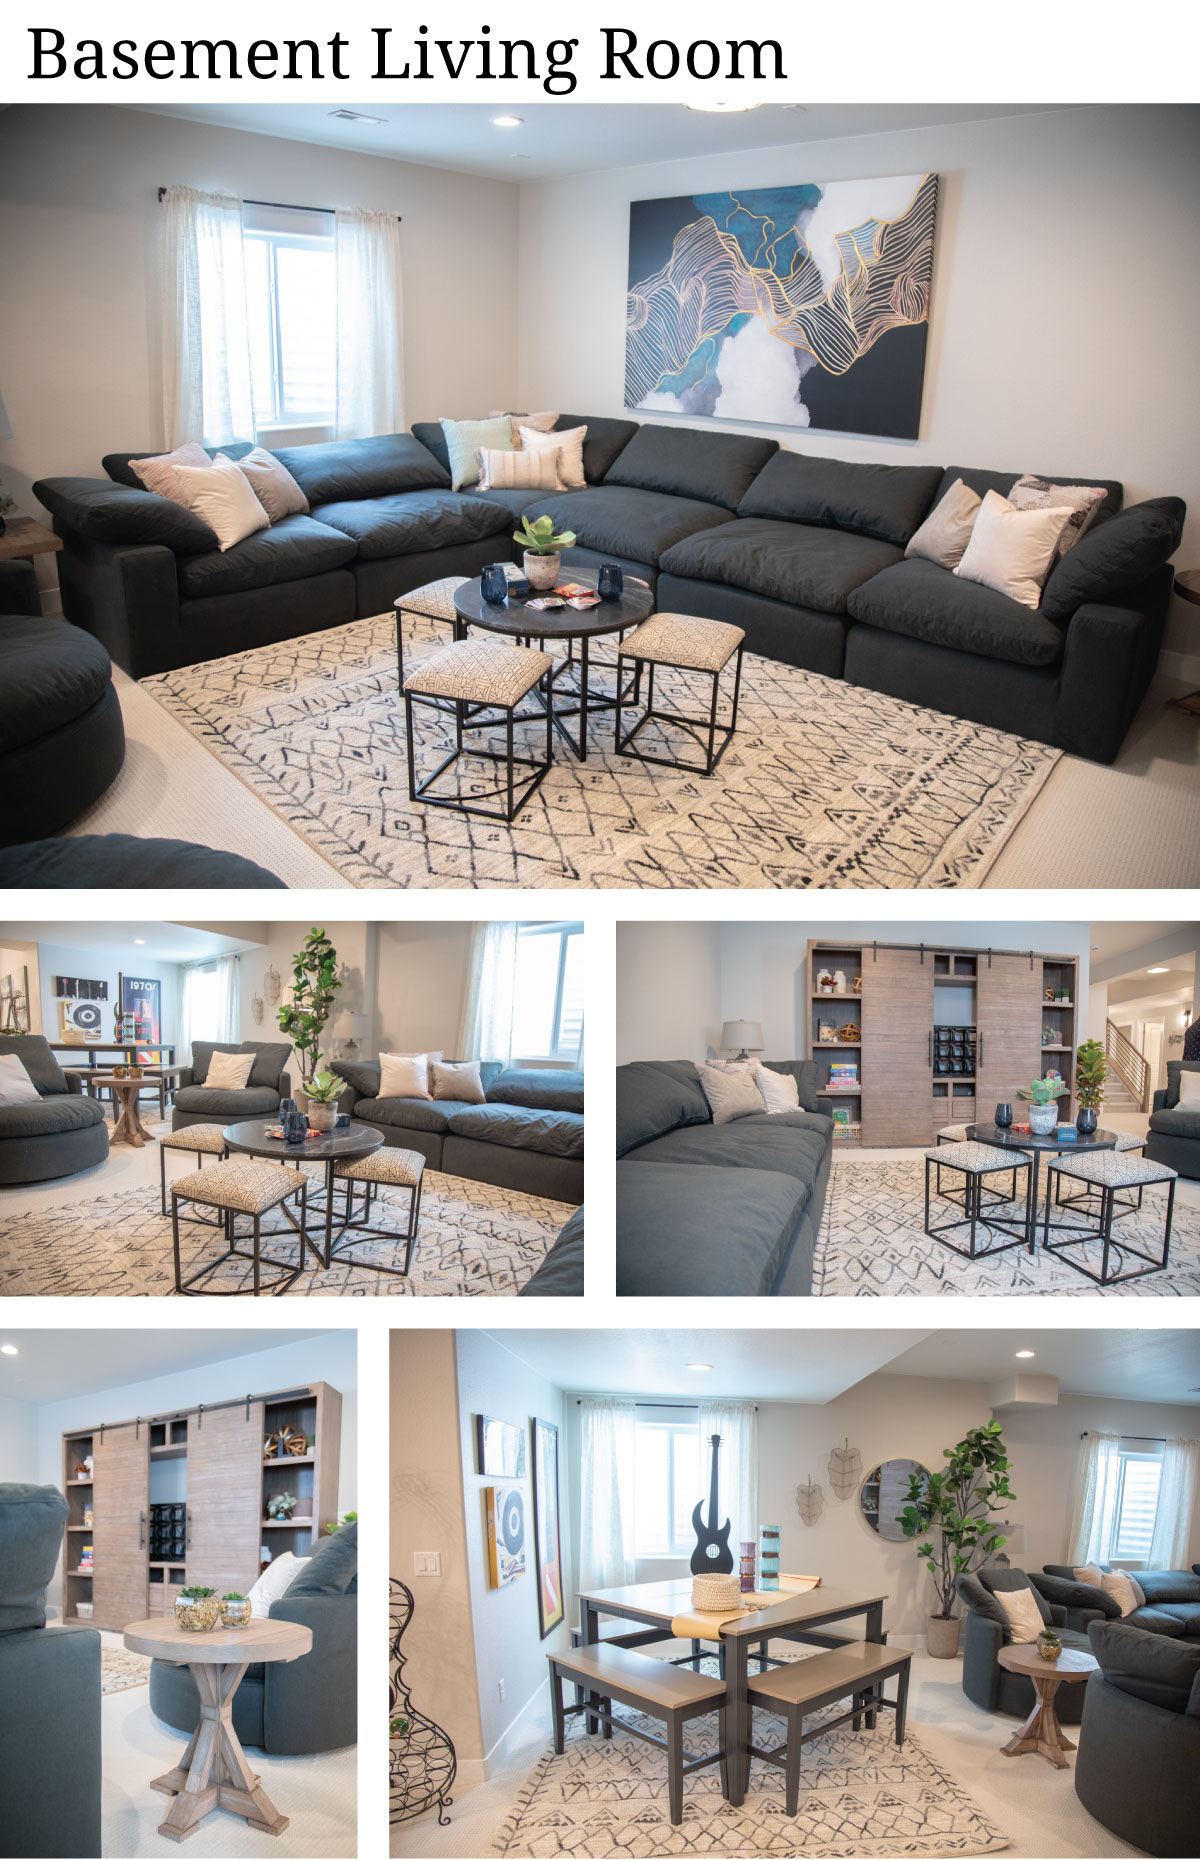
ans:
(1023, 1614)
(519, 471)
(1030, 493)
(222, 496)
(460, 1081)
(946, 531)
(1011, 550)
(229, 1071)
(570, 444)
(159, 473)
(730, 1094)
(272, 484)
(275, 1581)
(1124, 1590)
(779, 1090)
(1091, 1573)
(16, 1086)
(1189, 1087)
(405, 1075)
(540, 422)
(464, 441)
(1116, 556)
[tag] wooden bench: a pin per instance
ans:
(794, 1690)
(611, 1675)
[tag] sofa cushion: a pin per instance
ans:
(118, 513)
(50, 674)
(553, 1133)
(1115, 557)
(714, 1232)
(755, 1142)
(1180, 1122)
(232, 1107)
(49, 1117)
(1186, 1613)
(804, 1071)
(513, 503)
(408, 1113)
(332, 1566)
(1163, 1672)
(657, 1095)
(1174, 1068)
(413, 521)
(31, 1535)
(560, 1274)
(288, 551)
(684, 461)
(350, 468)
(35, 1055)
(1168, 1585)
(888, 502)
(923, 601)
(271, 1058)
(638, 525)
(807, 567)
(538, 1090)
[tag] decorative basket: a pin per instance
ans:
(235, 1614)
(198, 1613)
(711, 1593)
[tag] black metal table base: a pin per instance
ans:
(285, 1275)
(1066, 1238)
(976, 1214)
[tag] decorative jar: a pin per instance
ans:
(197, 1613)
(235, 1614)
(1086, 1120)
(1049, 1645)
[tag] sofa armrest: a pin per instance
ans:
(1161, 1100)
(1110, 657)
(75, 1082)
(187, 1076)
(312, 1703)
(126, 595)
(1058, 1614)
(19, 589)
(981, 1660)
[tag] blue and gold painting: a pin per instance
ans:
(784, 306)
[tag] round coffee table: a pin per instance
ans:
(1041, 1731)
(335, 1146)
(213, 1772)
(128, 1127)
(1035, 1148)
(515, 618)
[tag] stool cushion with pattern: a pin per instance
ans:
(685, 641)
(243, 1184)
(976, 1158)
(435, 600)
(954, 1133)
(400, 1168)
(206, 1139)
(1130, 1142)
(1113, 1169)
(480, 671)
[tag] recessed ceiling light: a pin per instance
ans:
(9, 1349)
(140, 941)
(721, 105)
(1160, 971)
(507, 122)
(1026, 1352)
(357, 116)
(699, 1367)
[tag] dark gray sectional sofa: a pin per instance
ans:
(63, 1133)
(1139, 1743)
(986, 1629)
(269, 1081)
(805, 554)
(528, 1136)
(716, 1210)
(1174, 1136)
(1172, 1600)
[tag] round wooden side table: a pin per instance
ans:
(129, 1127)
(1187, 587)
(1041, 1731)
(213, 1772)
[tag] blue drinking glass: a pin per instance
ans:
(494, 584)
(1004, 1116)
(286, 1106)
(296, 1126)
(610, 584)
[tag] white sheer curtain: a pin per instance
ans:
(606, 1485)
(487, 1024)
(370, 332)
(210, 1008)
(737, 1465)
(207, 389)
(1093, 1509)
(1177, 1490)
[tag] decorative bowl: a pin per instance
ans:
(235, 1614)
(716, 1592)
(197, 1613)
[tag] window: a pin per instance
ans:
(1134, 1502)
(668, 1481)
(291, 294)
(548, 1010)
(204, 995)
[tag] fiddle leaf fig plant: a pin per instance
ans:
(314, 984)
(1091, 1071)
(952, 1511)
(539, 537)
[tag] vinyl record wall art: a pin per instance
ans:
(504, 1506)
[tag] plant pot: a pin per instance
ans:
(542, 570)
(321, 1116)
(1043, 1119)
(1086, 1120)
(941, 1637)
(235, 1614)
(1049, 1646)
(197, 1613)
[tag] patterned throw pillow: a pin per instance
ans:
(158, 474)
(540, 422)
(1030, 493)
(464, 441)
(519, 471)
(570, 464)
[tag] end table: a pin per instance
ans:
(1041, 1731)
(1187, 587)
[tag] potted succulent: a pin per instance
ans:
(197, 1609)
(1042, 1098)
(323, 1091)
(951, 1512)
(1048, 1644)
(235, 1610)
(543, 550)
(1091, 1070)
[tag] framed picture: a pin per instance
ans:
(504, 1510)
(79, 1022)
(500, 1448)
(547, 1546)
(141, 1009)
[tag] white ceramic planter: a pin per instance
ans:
(542, 570)
(1043, 1119)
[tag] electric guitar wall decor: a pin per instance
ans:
(712, 1555)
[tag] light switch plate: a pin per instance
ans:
(427, 1562)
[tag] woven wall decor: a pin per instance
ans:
(271, 986)
(810, 1501)
(256, 1009)
(845, 1471)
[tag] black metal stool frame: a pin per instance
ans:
(952, 1194)
(287, 1274)
(696, 727)
(974, 1217)
(200, 1220)
(420, 791)
(1067, 1237)
(336, 1256)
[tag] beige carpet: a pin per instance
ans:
(120, 1669)
(825, 784)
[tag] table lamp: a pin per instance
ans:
(357, 1029)
(744, 1033)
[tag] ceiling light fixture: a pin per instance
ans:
(1159, 971)
(507, 122)
(357, 116)
(9, 1349)
(1026, 1352)
(140, 941)
(700, 1368)
(721, 106)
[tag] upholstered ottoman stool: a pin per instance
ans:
(62, 741)
(1106, 1172)
(390, 1168)
(682, 643)
(1126, 1145)
(975, 1161)
(488, 675)
(199, 1140)
(242, 1186)
(957, 1133)
(435, 601)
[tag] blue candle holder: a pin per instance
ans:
(494, 584)
(610, 583)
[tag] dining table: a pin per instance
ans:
(805, 1617)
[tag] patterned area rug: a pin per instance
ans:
(473, 1240)
(824, 784)
(120, 1669)
(873, 1245)
(860, 1797)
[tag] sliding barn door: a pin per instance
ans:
(1008, 994)
(120, 1503)
(897, 1029)
(224, 1497)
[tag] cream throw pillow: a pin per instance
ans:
(730, 1094)
(946, 531)
(1030, 493)
(1091, 1573)
(1011, 550)
(570, 444)
(275, 1581)
(272, 484)
(779, 1090)
(1125, 1592)
(223, 498)
(406, 1075)
(1024, 1615)
(230, 1071)
(540, 422)
(1189, 1088)
(461, 1081)
(519, 471)
(158, 473)
(16, 1086)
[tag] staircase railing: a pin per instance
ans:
(1130, 1066)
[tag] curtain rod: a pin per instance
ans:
(682, 1407)
(1156, 1440)
(287, 206)
(175, 1414)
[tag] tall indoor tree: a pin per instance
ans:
(953, 1513)
(315, 982)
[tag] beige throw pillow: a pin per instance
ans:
(223, 498)
(158, 473)
(540, 422)
(16, 1086)
(1012, 550)
(406, 1075)
(461, 1081)
(1030, 493)
(570, 445)
(1189, 1088)
(779, 1090)
(230, 1071)
(519, 471)
(272, 484)
(1024, 1615)
(730, 1094)
(1091, 1573)
(946, 531)
(1125, 1592)
(274, 1583)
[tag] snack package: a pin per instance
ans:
(545, 602)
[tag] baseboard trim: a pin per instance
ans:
(507, 1738)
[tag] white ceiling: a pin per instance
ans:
(570, 138)
(1127, 1365)
(1117, 939)
(161, 942)
(58, 1365)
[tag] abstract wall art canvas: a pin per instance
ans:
(504, 1513)
(787, 306)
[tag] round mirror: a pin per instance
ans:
(883, 1495)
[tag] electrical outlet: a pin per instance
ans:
(427, 1562)
(500, 1689)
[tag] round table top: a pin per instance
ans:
(251, 1139)
(1013, 1139)
(513, 615)
(260, 1639)
(1187, 584)
(1023, 1657)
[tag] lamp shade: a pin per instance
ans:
(746, 1034)
(357, 1026)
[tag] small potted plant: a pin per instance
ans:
(197, 1609)
(543, 550)
(280, 1506)
(1042, 1098)
(399, 1727)
(323, 1091)
(1048, 1644)
(235, 1610)
(1090, 1073)
(8, 508)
